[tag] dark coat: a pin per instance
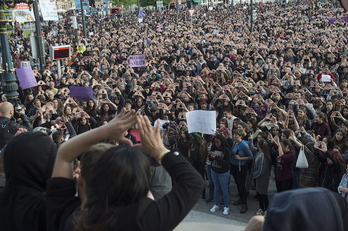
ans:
(28, 162)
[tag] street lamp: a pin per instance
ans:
(8, 77)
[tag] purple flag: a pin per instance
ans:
(141, 14)
(81, 93)
(160, 26)
(148, 41)
(26, 77)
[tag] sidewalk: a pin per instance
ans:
(200, 218)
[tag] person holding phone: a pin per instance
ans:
(220, 157)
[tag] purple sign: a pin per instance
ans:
(345, 18)
(137, 60)
(332, 20)
(26, 77)
(81, 93)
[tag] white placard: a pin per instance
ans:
(201, 121)
(326, 78)
(161, 122)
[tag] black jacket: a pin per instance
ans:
(163, 214)
(28, 162)
(9, 127)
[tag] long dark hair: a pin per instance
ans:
(223, 143)
(264, 146)
(129, 170)
(287, 143)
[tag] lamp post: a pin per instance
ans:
(38, 36)
(251, 16)
(8, 77)
(84, 20)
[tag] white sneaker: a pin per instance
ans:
(226, 210)
(214, 209)
(260, 212)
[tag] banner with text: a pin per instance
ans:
(21, 13)
(49, 10)
(137, 60)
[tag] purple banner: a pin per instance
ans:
(345, 18)
(332, 20)
(26, 77)
(81, 93)
(137, 60)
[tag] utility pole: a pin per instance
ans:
(251, 16)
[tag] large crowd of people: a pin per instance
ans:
(278, 90)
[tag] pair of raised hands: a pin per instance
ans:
(151, 139)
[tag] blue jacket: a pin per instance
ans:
(241, 149)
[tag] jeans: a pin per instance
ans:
(221, 187)
(211, 183)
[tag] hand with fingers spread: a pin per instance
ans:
(116, 128)
(151, 139)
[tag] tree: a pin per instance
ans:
(153, 2)
(124, 2)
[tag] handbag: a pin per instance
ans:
(302, 159)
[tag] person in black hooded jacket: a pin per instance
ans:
(302, 210)
(28, 162)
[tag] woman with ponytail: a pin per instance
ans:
(261, 174)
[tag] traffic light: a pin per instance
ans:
(254, 12)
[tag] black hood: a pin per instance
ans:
(29, 160)
(306, 209)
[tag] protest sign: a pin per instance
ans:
(81, 93)
(201, 121)
(326, 78)
(137, 60)
(26, 77)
